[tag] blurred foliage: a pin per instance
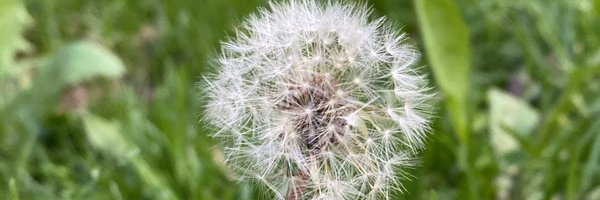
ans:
(98, 98)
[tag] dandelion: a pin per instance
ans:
(314, 101)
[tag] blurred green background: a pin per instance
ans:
(98, 99)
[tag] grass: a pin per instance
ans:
(98, 98)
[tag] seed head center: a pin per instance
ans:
(317, 112)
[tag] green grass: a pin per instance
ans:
(98, 99)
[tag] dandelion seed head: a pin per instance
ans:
(316, 101)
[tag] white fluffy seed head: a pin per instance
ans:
(317, 102)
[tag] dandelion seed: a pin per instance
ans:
(314, 101)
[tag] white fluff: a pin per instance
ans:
(315, 98)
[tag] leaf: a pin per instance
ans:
(512, 113)
(433, 195)
(80, 62)
(447, 47)
(590, 170)
(12, 185)
(106, 135)
(13, 19)
(74, 64)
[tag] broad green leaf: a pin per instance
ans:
(80, 62)
(13, 18)
(446, 39)
(74, 64)
(511, 112)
